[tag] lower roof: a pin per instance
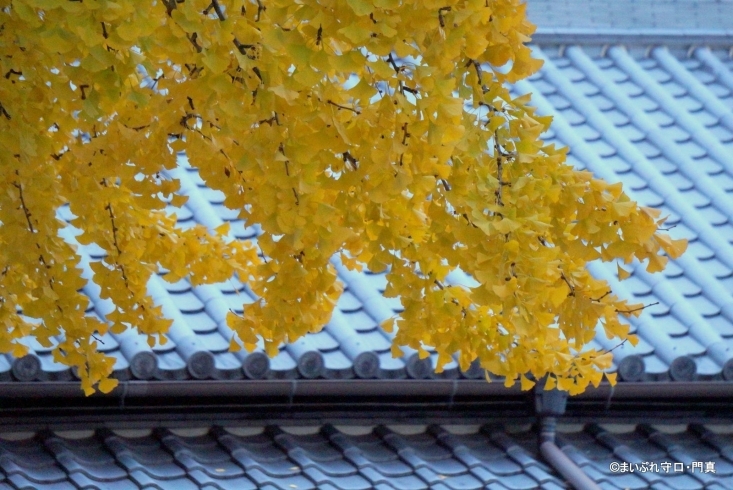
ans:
(328, 457)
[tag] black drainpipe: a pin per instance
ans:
(549, 405)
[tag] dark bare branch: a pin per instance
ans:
(193, 38)
(626, 312)
(597, 300)
(355, 111)
(260, 8)
(572, 288)
(440, 15)
(217, 8)
(26, 211)
(353, 162)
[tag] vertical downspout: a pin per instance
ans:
(549, 405)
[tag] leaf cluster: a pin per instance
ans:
(380, 131)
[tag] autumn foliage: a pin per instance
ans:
(378, 131)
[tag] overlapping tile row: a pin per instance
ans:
(661, 122)
(646, 456)
(381, 457)
(632, 16)
(330, 458)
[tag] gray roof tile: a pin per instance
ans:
(383, 458)
(273, 458)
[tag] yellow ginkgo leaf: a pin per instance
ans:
(622, 273)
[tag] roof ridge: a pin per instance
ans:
(633, 36)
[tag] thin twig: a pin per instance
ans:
(22, 203)
(392, 62)
(572, 288)
(353, 162)
(273, 119)
(28, 215)
(343, 107)
(108, 207)
(499, 169)
(116, 243)
(619, 345)
(440, 15)
(260, 8)
(170, 6)
(195, 43)
(242, 48)
(479, 75)
(217, 9)
(600, 298)
(637, 309)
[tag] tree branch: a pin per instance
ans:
(440, 15)
(26, 211)
(626, 312)
(344, 107)
(4, 112)
(273, 119)
(260, 8)
(499, 169)
(394, 65)
(217, 8)
(170, 6)
(572, 288)
(195, 43)
(597, 300)
(619, 345)
(28, 215)
(242, 48)
(108, 207)
(479, 75)
(353, 162)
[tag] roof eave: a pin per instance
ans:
(443, 389)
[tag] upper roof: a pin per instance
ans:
(633, 16)
(660, 120)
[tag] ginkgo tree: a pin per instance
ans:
(379, 131)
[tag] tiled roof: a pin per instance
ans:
(659, 120)
(381, 457)
(683, 17)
